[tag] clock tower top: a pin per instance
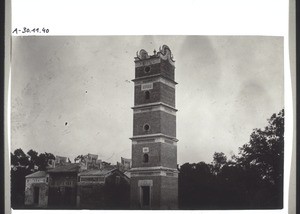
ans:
(161, 63)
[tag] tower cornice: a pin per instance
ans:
(155, 108)
(147, 136)
(154, 168)
(153, 76)
(154, 104)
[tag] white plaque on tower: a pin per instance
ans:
(147, 86)
(145, 149)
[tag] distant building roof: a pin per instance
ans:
(127, 174)
(110, 167)
(92, 156)
(71, 167)
(97, 172)
(125, 160)
(37, 174)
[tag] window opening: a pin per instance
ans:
(147, 95)
(145, 158)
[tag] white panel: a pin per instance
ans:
(145, 183)
(147, 86)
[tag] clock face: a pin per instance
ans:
(147, 69)
(146, 127)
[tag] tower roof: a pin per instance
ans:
(164, 53)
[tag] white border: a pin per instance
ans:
(155, 17)
(169, 17)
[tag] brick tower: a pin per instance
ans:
(154, 175)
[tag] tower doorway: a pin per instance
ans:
(145, 196)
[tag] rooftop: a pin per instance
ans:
(37, 174)
(163, 53)
(71, 167)
(97, 172)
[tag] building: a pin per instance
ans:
(106, 188)
(86, 184)
(63, 185)
(36, 189)
(125, 164)
(59, 161)
(154, 174)
(89, 161)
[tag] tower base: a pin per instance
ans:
(154, 192)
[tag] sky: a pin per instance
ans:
(72, 95)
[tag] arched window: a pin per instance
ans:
(147, 95)
(145, 158)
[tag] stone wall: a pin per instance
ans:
(43, 195)
(169, 192)
(135, 192)
(62, 190)
(159, 93)
(154, 154)
(63, 179)
(164, 68)
(167, 94)
(163, 192)
(113, 194)
(168, 124)
(90, 195)
(168, 155)
(159, 122)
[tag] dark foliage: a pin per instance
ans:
(79, 158)
(251, 180)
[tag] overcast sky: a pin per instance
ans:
(73, 95)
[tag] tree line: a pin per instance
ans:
(253, 179)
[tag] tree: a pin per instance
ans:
(43, 160)
(20, 167)
(104, 163)
(80, 158)
(262, 162)
(253, 179)
(19, 158)
(265, 150)
(219, 160)
(196, 183)
(33, 159)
